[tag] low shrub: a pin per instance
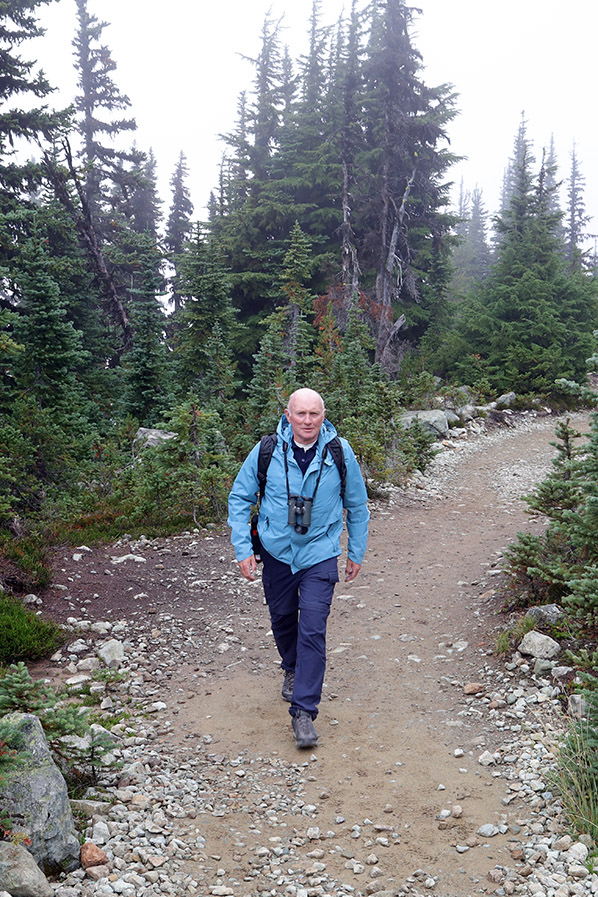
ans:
(25, 636)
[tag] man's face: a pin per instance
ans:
(306, 415)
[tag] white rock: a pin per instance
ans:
(128, 557)
(539, 645)
(112, 653)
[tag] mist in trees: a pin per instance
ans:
(330, 257)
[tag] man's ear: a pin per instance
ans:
(286, 412)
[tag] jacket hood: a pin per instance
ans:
(285, 431)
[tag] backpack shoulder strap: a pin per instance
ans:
(267, 445)
(335, 447)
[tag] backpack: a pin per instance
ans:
(267, 445)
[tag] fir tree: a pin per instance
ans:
(147, 388)
(97, 102)
(577, 220)
(207, 311)
(471, 256)
(178, 225)
(531, 322)
(266, 397)
(50, 368)
(18, 24)
(404, 228)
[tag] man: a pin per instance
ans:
(299, 548)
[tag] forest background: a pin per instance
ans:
(330, 256)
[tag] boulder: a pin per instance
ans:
(545, 614)
(435, 422)
(34, 796)
(467, 413)
(536, 644)
(506, 400)
(19, 873)
(112, 653)
(148, 436)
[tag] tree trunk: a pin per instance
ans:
(84, 224)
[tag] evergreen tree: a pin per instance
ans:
(98, 101)
(471, 256)
(48, 369)
(296, 271)
(266, 397)
(577, 220)
(18, 24)
(207, 313)
(147, 388)
(401, 197)
(145, 212)
(531, 322)
(178, 225)
(350, 141)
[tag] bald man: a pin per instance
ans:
(300, 525)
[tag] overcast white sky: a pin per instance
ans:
(180, 64)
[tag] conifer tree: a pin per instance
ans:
(296, 271)
(404, 227)
(207, 311)
(577, 220)
(26, 121)
(143, 201)
(531, 322)
(98, 103)
(471, 256)
(48, 369)
(147, 386)
(266, 397)
(178, 225)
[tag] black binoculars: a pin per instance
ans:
(299, 513)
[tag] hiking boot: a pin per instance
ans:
(303, 727)
(288, 685)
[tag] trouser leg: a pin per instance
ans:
(299, 605)
(316, 588)
(281, 589)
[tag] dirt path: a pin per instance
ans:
(399, 738)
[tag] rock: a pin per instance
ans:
(506, 400)
(488, 830)
(91, 807)
(434, 421)
(577, 853)
(577, 706)
(92, 855)
(112, 653)
(97, 872)
(474, 688)
(486, 759)
(148, 436)
(128, 557)
(539, 645)
(467, 413)
(19, 873)
(34, 796)
(545, 614)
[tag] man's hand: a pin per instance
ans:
(248, 568)
(351, 570)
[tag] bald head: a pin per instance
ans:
(305, 413)
(305, 395)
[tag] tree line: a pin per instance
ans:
(330, 257)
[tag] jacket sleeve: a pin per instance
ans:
(242, 496)
(356, 505)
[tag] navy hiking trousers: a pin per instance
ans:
(299, 605)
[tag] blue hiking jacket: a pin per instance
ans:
(322, 540)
